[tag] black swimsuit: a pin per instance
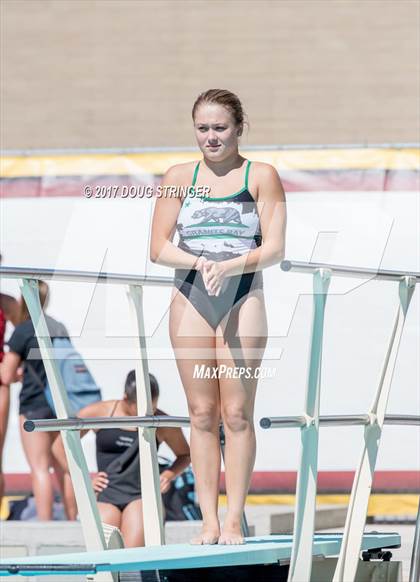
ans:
(117, 454)
(110, 443)
(219, 229)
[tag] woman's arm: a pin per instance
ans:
(273, 218)
(176, 441)
(9, 368)
(162, 250)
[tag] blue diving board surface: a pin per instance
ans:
(256, 550)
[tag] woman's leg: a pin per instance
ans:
(240, 347)
(37, 448)
(193, 341)
(110, 514)
(4, 418)
(69, 499)
(65, 486)
(132, 528)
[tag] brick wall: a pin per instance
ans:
(85, 73)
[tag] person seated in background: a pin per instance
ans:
(9, 311)
(117, 483)
(34, 405)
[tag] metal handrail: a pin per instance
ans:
(84, 276)
(106, 422)
(135, 279)
(337, 420)
(343, 271)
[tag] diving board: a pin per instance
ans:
(256, 550)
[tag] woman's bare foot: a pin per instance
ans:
(231, 534)
(209, 535)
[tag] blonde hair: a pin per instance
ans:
(43, 297)
(225, 98)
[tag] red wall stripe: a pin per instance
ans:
(293, 181)
(285, 482)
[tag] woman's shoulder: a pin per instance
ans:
(55, 327)
(23, 329)
(265, 178)
(181, 173)
(25, 324)
(100, 408)
(263, 169)
(21, 338)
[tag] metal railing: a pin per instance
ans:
(338, 420)
(149, 471)
(309, 422)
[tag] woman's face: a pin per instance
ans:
(216, 131)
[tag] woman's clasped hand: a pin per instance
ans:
(213, 273)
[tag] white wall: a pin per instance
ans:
(364, 229)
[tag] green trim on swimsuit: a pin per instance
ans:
(230, 195)
(213, 224)
(247, 173)
(223, 197)
(195, 174)
(216, 236)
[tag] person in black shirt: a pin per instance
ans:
(23, 348)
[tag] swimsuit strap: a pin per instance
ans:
(195, 174)
(247, 174)
(114, 408)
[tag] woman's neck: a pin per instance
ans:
(223, 167)
(126, 408)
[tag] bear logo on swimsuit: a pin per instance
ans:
(223, 215)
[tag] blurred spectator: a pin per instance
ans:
(33, 405)
(117, 482)
(9, 311)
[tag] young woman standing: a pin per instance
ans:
(217, 314)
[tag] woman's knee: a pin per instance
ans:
(237, 419)
(40, 471)
(39, 463)
(205, 417)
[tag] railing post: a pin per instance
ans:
(356, 515)
(149, 468)
(304, 521)
(85, 497)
